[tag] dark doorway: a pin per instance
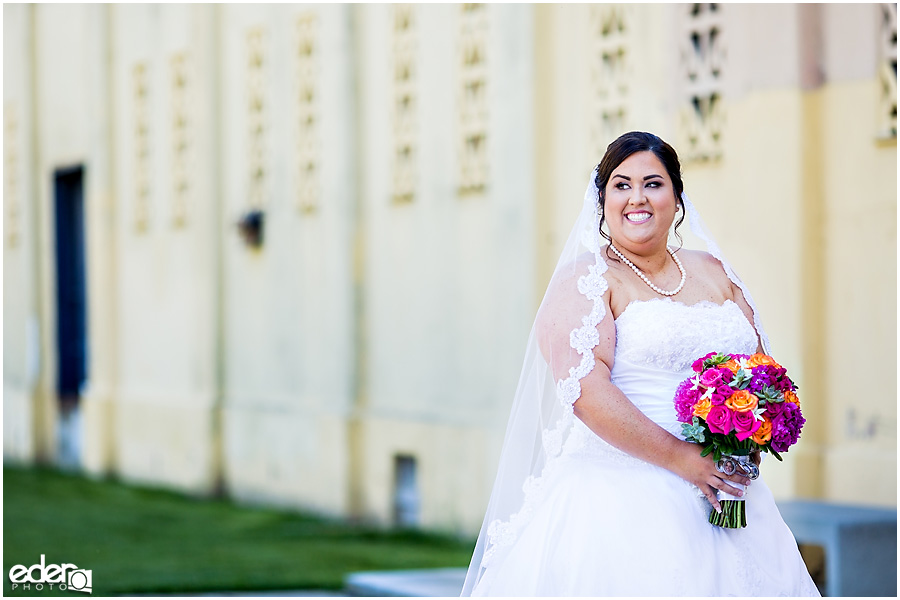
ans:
(71, 306)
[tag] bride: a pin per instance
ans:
(597, 493)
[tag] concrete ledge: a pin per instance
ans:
(418, 582)
(860, 544)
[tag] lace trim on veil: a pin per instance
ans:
(583, 339)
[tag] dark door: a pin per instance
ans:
(70, 283)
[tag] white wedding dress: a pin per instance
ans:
(604, 523)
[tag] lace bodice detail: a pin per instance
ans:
(670, 335)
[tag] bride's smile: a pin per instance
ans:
(638, 216)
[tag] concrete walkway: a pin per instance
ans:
(418, 582)
(250, 594)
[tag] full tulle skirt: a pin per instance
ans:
(608, 529)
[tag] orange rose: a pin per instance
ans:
(790, 396)
(762, 359)
(742, 401)
(701, 409)
(764, 433)
(732, 365)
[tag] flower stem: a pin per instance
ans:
(733, 515)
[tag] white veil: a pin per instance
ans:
(542, 414)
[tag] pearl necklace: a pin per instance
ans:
(644, 277)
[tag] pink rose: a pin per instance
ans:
(744, 424)
(722, 393)
(711, 378)
(698, 364)
(720, 419)
(715, 377)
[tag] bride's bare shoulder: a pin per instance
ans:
(700, 259)
(707, 265)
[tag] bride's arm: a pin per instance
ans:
(612, 416)
(606, 410)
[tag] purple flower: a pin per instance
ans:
(763, 376)
(774, 409)
(784, 383)
(685, 398)
(786, 426)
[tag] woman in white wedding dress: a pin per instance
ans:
(597, 493)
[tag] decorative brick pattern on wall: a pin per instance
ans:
(11, 162)
(256, 115)
(472, 114)
(887, 71)
(179, 67)
(141, 97)
(610, 74)
(307, 116)
(405, 102)
(703, 60)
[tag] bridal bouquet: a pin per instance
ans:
(736, 404)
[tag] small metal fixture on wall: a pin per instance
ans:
(251, 227)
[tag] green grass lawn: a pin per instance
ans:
(145, 540)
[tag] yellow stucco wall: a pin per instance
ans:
(860, 179)
(295, 374)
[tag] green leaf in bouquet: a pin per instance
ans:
(707, 450)
(741, 379)
(694, 431)
(716, 360)
(770, 394)
(775, 454)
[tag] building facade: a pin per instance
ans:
(291, 253)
